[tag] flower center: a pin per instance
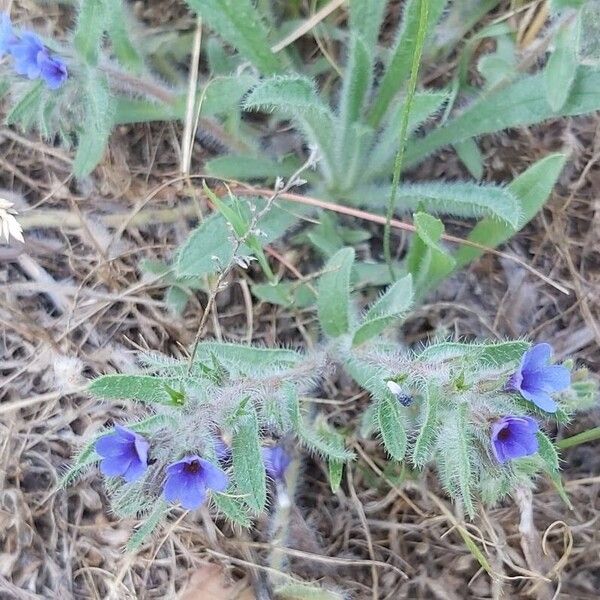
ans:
(504, 434)
(193, 467)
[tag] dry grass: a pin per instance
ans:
(74, 304)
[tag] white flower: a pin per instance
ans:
(9, 226)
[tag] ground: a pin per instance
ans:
(75, 304)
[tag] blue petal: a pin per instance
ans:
(498, 449)
(114, 466)
(141, 448)
(541, 399)
(52, 70)
(112, 445)
(173, 486)
(193, 495)
(135, 471)
(213, 477)
(556, 377)
(515, 449)
(536, 357)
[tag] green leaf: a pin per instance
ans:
(91, 24)
(27, 109)
(561, 69)
(470, 155)
(427, 261)
(142, 388)
(248, 168)
(233, 509)
(390, 424)
(148, 526)
(241, 359)
(532, 188)
(486, 355)
(209, 248)
(296, 97)
(588, 34)
(291, 294)
(456, 470)
(303, 591)
(334, 294)
(248, 467)
(119, 29)
(398, 67)
(336, 470)
(240, 24)
(549, 456)
(97, 124)
(391, 307)
(365, 20)
(356, 84)
(317, 440)
(429, 427)
(521, 103)
(424, 106)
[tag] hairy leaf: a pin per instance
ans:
(391, 307)
(239, 23)
(91, 24)
(470, 155)
(429, 427)
(532, 188)
(148, 526)
(248, 467)
(398, 67)
(427, 261)
(334, 293)
(142, 388)
(521, 103)
(365, 20)
(233, 509)
(390, 424)
(97, 124)
(561, 69)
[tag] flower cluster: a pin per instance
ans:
(30, 57)
(124, 453)
(535, 379)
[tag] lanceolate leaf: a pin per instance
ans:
(296, 97)
(387, 310)
(532, 188)
(334, 293)
(357, 80)
(561, 69)
(91, 23)
(427, 260)
(391, 426)
(232, 508)
(462, 199)
(239, 23)
(522, 103)
(142, 388)
(428, 427)
(549, 456)
(248, 468)
(96, 126)
(365, 20)
(398, 67)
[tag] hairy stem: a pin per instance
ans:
(412, 86)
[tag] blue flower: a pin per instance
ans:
(52, 70)
(6, 34)
(276, 461)
(535, 378)
(25, 50)
(514, 437)
(124, 453)
(189, 479)
(31, 57)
